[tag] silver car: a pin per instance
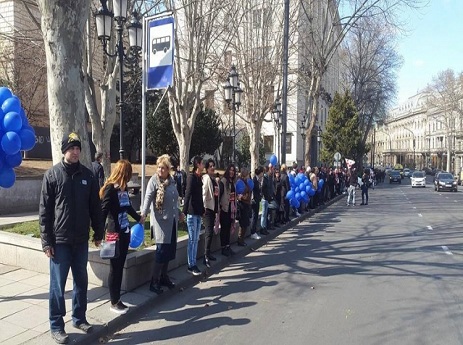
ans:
(418, 179)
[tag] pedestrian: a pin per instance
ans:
(364, 187)
(227, 208)
(162, 197)
(285, 188)
(211, 205)
(69, 203)
(97, 168)
(193, 207)
(180, 180)
(352, 180)
(268, 195)
(244, 205)
(116, 206)
(256, 199)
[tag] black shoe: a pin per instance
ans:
(231, 251)
(156, 288)
(84, 327)
(207, 262)
(226, 251)
(60, 337)
(242, 243)
(366, 203)
(194, 270)
(362, 203)
(211, 258)
(165, 281)
(264, 232)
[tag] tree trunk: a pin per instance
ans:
(254, 138)
(184, 142)
(63, 30)
(314, 95)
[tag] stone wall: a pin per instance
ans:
(22, 197)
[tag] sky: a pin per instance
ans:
(433, 43)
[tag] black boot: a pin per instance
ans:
(165, 281)
(207, 261)
(155, 286)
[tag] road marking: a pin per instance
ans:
(414, 207)
(429, 227)
(446, 250)
(420, 215)
(455, 201)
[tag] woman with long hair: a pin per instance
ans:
(162, 198)
(227, 208)
(244, 205)
(116, 206)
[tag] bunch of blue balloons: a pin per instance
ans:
(301, 190)
(16, 135)
(240, 186)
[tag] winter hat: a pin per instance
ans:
(70, 140)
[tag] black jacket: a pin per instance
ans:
(98, 172)
(268, 188)
(257, 190)
(111, 209)
(68, 203)
(193, 203)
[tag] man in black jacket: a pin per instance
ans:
(97, 168)
(69, 203)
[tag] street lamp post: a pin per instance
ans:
(104, 19)
(319, 140)
(303, 128)
(414, 163)
(277, 119)
(233, 98)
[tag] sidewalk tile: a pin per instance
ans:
(9, 330)
(11, 306)
(21, 338)
(4, 281)
(15, 288)
(35, 296)
(19, 275)
(30, 317)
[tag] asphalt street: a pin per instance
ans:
(386, 273)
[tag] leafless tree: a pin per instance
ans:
(444, 99)
(328, 22)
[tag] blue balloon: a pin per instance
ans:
(306, 199)
(27, 137)
(137, 235)
(308, 188)
(321, 182)
(297, 196)
(14, 161)
(12, 121)
(311, 192)
(289, 195)
(11, 104)
(251, 184)
(5, 93)
(7, 177)
(273, 160)
(301, 186)
(306, 182)
(240, 187)
(11, 143)
(303, 194)
(296, 190)
(24, 117)
(295, 203)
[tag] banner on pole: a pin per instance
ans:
(159, 52)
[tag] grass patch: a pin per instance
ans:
(32, 229)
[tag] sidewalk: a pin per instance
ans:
(24, 296)
(17, 218)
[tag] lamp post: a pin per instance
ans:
(414, 165)
(233, 93)
(104, 20)
(303, 128)
(277, 119)
(319, 140)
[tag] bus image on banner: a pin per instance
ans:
(160, 43)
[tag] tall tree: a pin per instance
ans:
(63, 27)
(342, 133)
(444, 99)
(328, 24)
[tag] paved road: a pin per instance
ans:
(386, 273)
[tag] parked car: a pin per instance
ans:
(407, 172)
(445, 181)
(418, 179)
(394, 176)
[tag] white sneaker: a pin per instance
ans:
(255, 236)
(298, 214)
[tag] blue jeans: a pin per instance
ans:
(74, 257)
(193, 223)
(264, 215)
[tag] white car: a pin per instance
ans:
(418, 179)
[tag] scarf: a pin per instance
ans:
(162, 185)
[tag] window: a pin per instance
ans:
(268, 144)
(256, 18)
(227, 58)
(209, 101)
(288, 142)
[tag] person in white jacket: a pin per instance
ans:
(211, 205)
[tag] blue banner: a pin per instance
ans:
(160, 52)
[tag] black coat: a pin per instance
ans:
(68, 204)
(111, 209)
(193, 203)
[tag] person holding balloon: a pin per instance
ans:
(244, 193)
(162, 198)
(116, 207)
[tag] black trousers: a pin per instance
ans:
(255, 217)
(117, 267)
(225, 225)
(209, 220)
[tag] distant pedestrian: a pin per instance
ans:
(227, 208)
(98, 168)
(364, 187)
(268, 195)
(193, 207)
(211, 205)
(162, 198)
(352, 180)
(116, 206)
(69, 203)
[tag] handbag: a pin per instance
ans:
(109, 248)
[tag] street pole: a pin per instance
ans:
(285, 83)
(234, 126)
(120, 52)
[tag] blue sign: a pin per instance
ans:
(160, 51)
